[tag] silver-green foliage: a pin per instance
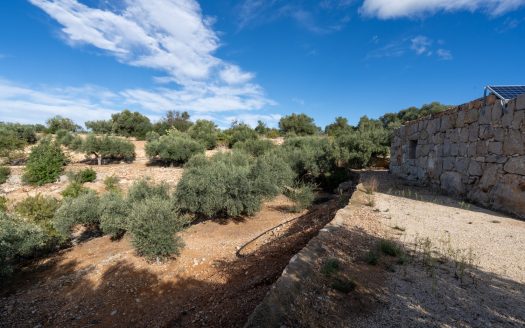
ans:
(114, 212)
(18, 238)
(153, 224)
(81, 210)
(173, 149)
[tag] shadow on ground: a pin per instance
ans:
(123, 295)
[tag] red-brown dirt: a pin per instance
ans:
(103, 283)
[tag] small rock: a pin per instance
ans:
(113, 312)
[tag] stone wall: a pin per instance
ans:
(475, 151)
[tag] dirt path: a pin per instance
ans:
(102, 283)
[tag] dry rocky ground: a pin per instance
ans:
(462, 266)
(223, 272)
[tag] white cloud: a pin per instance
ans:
(35, 105)
(444, 54)
(388, 9)
(170, 36)
(421, 45)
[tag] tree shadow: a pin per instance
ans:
(388, 294)
(123, 293)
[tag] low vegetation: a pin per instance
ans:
(4, 174)
(173, 149)
(45, 164)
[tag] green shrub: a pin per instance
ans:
(83, 176)
(10, 141)
(100, 127)
(390, 248)
(18, 238)
(4, 174)
(255, 147)
(239, 132)
(344, 286)
(130, 124)
(310, 157)
(173, 120)
(3, 204)
(151, 136)
(298, 124)
(153, 224)
(144, 189)
(302, 195)
(173, 149)
(110, 148)
(74, 189)
(45, 164)
(81, 210)
(39, 208)
(76, 143)
(112, 183)
(205, 132)
(271, 174)
(114, 212)
(61, 123)
(223, 186)
(64, 137)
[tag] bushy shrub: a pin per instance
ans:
(222, 185)
(83, 176)
(9, 141)
(64, 137)
(271, 174)
(61, 123)
(4, 174)
(24, 132)
(18, 238)
(106, 147)
(173, 149)
(76, 143)
(111, 183)
(3, 204)
(173, 120)
(74, 189)
(302, 195)
(298, 124)
(100, 127)
(130, 124)
(255, 147)
(45, 164)
(239, 132)
(152, 136)
(38, 208)
(205, 132)
(144, 189)
(153, 224)
(81, 210)
(309, 157)
(114, 212)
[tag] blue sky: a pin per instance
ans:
(252, 59)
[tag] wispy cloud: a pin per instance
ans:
(170, 36)
(389, 9)
(258, 12)
(419, 45)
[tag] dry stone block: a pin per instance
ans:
(508, 195)
(471, 116)
(513, 143)
(495, 147)
(497, 111)
(451, 183)
(520, 102)
(475, 168)
(515, 165)
(485, 116)
(489, 178)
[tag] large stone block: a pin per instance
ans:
(495, 147)
(509, 193)
(485, 115)
(486, 132)
(513, 143)
(508, 116)
(499, 134)
(497, 111)
(462, 164)
(449, 163)
(481, 148)
(475, 168)
(471, 116)
(520, 102)
(451, 183)
(473, 132)
(460, 120)
(490, 177)
(446, 123)
(518, 120)
(515, 165)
